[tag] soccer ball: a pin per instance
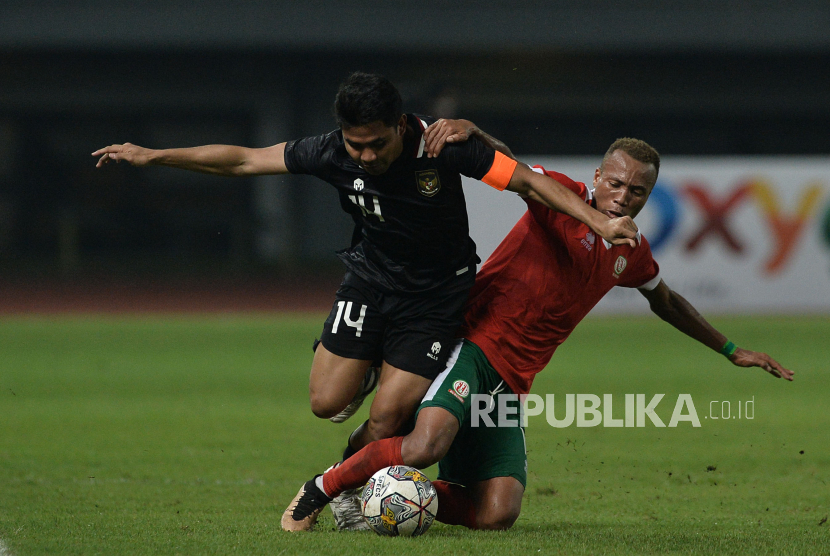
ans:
(399, 500)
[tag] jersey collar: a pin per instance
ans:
(422, 125)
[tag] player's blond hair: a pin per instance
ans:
(637, 149)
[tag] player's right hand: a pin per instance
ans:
(619, 231)
(133, 154)
(446, 131)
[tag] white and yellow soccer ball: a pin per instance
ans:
(399, 500)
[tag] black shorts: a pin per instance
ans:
(413, 332)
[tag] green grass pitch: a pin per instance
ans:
(189, 435)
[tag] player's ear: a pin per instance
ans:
(597, 175)
(402, 125)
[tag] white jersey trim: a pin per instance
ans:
(439, 380)
(589, 193)
(651, 284)
(638, 237)
(423, 141)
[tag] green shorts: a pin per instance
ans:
(479, 452)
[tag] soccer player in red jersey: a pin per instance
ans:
(541, 281)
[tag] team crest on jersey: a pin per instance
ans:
(619, 266)
(460, 389)
(358, 184)
(428, 182)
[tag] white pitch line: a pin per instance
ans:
(4, 551)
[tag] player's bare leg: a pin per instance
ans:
(431, 439)
(491, 504)
(367, 385)
(334, 381)
(398, 396)
(498, 502)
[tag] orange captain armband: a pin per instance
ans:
(500, 172)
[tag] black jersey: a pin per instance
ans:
(413, 229)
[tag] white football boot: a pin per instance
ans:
(366, 387)
(346, 511)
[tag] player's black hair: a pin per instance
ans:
(364, 98)
(637, 149)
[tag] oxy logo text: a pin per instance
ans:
(717, 210)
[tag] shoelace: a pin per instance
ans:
(350, 514)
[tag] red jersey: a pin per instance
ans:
(541, 281)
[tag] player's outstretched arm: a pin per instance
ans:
(223, 160)
(554, 195)
(457, 131)
(540, 188)
(675, 310)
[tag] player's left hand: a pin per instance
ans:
(747, 358)
(446, 131)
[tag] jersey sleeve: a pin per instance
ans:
(547, 216)
(472, 158)
(645, 272)
(577, 187)
(309, 155)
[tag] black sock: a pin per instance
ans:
(348, 452)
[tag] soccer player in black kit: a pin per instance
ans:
(411, 262)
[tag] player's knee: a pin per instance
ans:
(323, 411)
(324, 406)
(498, 508)
(498, 520)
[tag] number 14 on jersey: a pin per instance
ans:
(360, 200)
(347, 317)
